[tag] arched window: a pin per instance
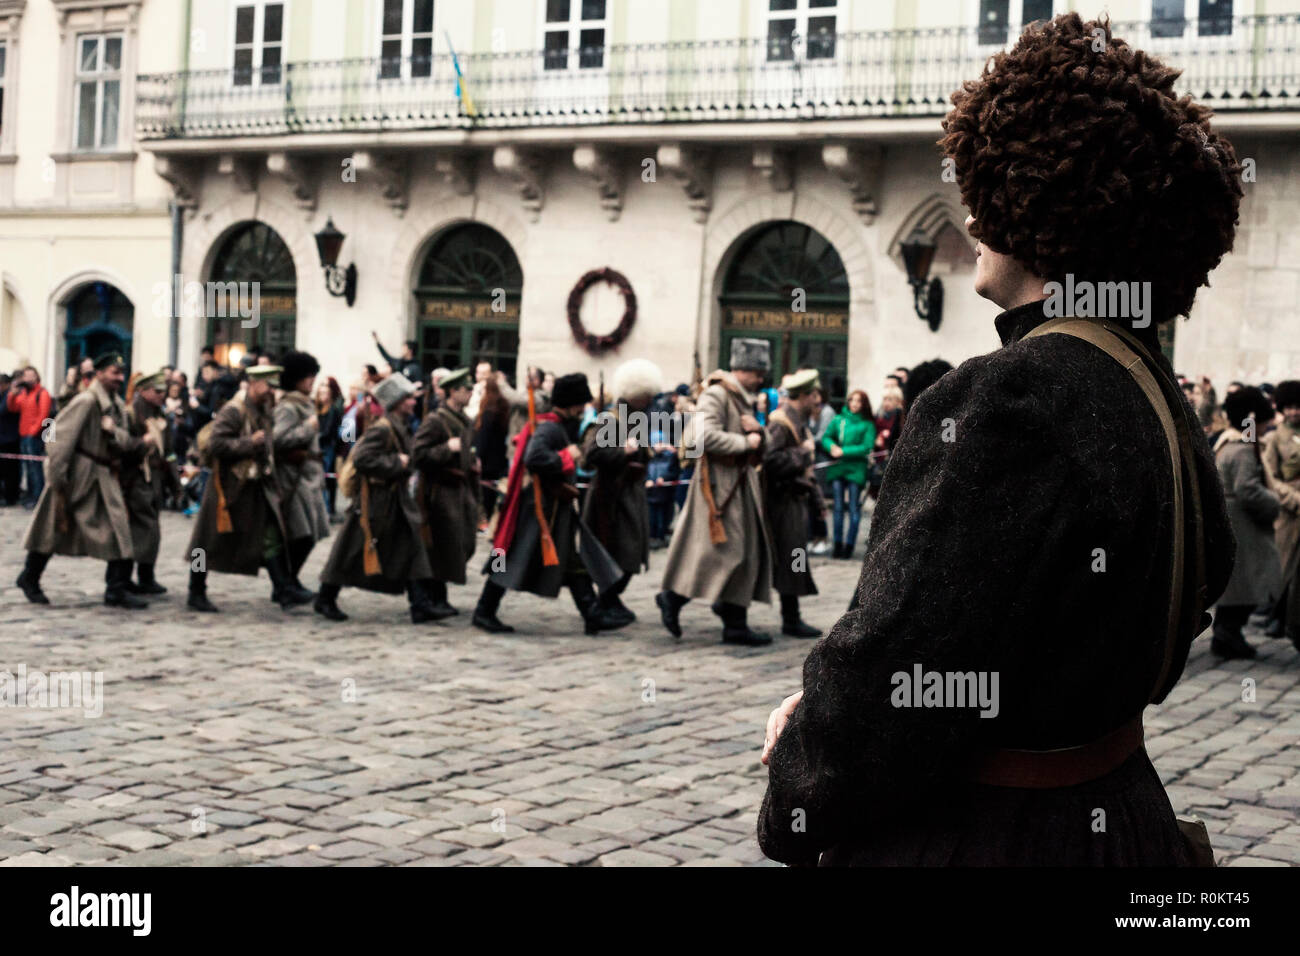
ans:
(251, 299)
(467, 299)
(787, 284)
(99, 319)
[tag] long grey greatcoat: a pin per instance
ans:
(615, 508)
(1282, 466)
(448, 490)
(739, 570)
(787, 493)
(146, 476)
(576, 546)
(247, 471)
(298, 467)
(981, 559)
(87, 492)
(1252, 508)
(394, 516)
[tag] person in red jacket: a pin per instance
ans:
(32, 403)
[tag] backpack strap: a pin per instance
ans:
(1113, 340)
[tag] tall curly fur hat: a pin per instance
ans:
(637, 378)
(1074, 155)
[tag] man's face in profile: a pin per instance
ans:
(1000, 278)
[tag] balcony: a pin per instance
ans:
(1232, 64)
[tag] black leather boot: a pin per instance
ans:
(198, 598)
(283, 589)
(611, 603)
(1228, 641)
(326, 603)
(148, 583)
(116, 577)
(30, 580)
(670, 605)
(299, 551)
(485, 612)
(792, 625)
(594, 617)
(735, 626)
(422, 610)
(438, 596)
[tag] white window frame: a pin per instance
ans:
(408, 38)
(258, 44)
(100, 76)
(1192, 11)
(801, 14)
(574, 26)
(1015, 23)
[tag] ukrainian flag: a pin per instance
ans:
(462, 93)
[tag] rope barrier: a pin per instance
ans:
(874, 456)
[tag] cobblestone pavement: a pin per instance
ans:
(256, 736)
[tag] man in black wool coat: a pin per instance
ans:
(546, 460)
(1024, 529)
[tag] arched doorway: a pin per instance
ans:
(467, 296)
(252, 266)
(98, 319)
(787, 284)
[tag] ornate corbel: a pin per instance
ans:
(298, 173)
(776, 166)
(182, 176)
(456, 170)
(391, 171)
(692, 167)
(525, 168)
(600, 164)
(859, 167)
(241, 169)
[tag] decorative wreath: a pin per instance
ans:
(595, 344)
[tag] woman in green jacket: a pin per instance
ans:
(848, 439)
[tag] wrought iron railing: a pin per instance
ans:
(1242, 63)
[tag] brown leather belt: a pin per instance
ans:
(1046, 769)
(734, 461)
(112, 464)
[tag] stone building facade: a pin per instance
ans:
(749, 166)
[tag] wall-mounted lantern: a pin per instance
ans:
(338, 281)
(927, 297)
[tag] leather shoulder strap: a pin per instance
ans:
(1108, 338)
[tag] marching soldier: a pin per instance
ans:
(81, 511)
(448, 492)
(379, 548)
(147, 476)
(788, 490)
(239, 527)
(721, 547)
(296, 437)
(541, 543)
(616, 509)
(1281, 457)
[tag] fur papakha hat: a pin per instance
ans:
(393, 390)
(753, 355)
(637, 378)
(297, 366)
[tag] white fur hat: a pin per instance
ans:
(637, 378)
